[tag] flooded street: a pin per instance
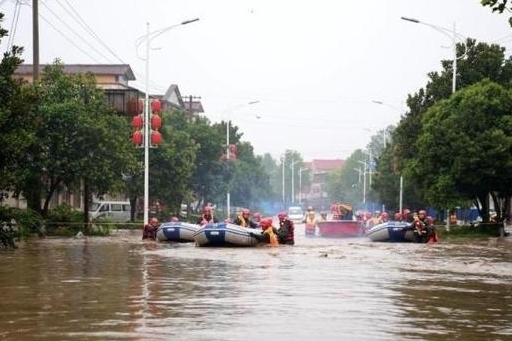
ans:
(121, 288)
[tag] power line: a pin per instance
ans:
(75, 33)
(14, 25)
(88, 29)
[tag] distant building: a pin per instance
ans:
(316, 195)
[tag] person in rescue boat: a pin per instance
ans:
(256, 217)
(311, 223)
(286, 230)
(374, 220)
(244, 219)
(207, 216)
(268, 233)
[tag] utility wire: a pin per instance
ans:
(86, 27)
(14, 25)
(74, 32)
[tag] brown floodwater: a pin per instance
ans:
(121, 288)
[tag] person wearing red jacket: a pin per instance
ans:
(286, 230)
(149, 231)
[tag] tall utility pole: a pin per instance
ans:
(282, 182)
(35, 40)
(190, 101)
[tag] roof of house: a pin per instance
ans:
(322, 165)
(194, 106)
(97, 69)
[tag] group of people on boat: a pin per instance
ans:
(265, 232)
(270, 234)
(421, 224)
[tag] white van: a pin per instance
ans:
(116, 211)
(296, 214)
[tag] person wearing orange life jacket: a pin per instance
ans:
(268, 234)
(286, 230)
(270, 231)
(244, 219)
(374, 220)
(311, 223)
(207, 217)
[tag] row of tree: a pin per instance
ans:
(451, 149)
(60, 136)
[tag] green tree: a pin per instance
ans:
(273, 172)
(250, 182)
(472, 130)
(290, 157)
(346, 184)
(481, 61)
(17, 118)
(208, 180)
(172, 164)
(498, 6)
(75, 140)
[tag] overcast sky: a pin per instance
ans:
(316, 67)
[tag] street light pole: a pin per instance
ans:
(282, 181)
(401, 187)
(364, 181)
(454, 36)
(148, 37)
(293, 176)
(300, 183)
(228, 154)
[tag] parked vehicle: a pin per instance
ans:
(296, 214)
(116, 211)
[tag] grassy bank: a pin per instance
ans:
(476, 231)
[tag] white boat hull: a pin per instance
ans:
(176, 232)
(225, 234)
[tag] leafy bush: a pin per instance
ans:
(477, 230)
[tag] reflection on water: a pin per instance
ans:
(121, 288)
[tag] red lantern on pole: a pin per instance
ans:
(156, 122)
(156, 106)
(137, 122)
(140, 105)
(137, 138)
(156, 138)
(232, 151)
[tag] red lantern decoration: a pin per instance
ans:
(156, 122)
(156, 106)
(156, 138)
(232, 152)
(137, 122)
(137, 138)
(140, 105)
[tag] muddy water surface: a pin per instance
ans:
(121, 288)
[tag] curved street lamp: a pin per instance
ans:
(147, 38)
(292, 165)
(455, 37)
